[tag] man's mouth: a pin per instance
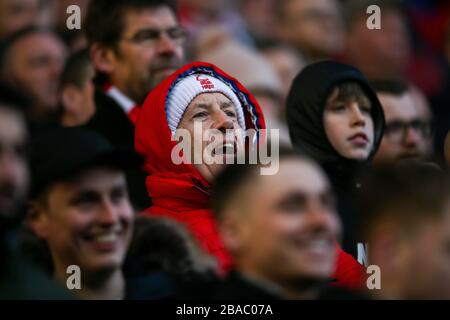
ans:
(225, 149)
(105, 241)
(317, 246)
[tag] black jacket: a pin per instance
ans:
(304, 109)
(113, 123)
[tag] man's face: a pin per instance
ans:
(426, 262)
(16, 14)
(382, 53)
(407, 133)
(349, 126)
(150, 50)
(35, 63)
(313, 26)
(286, 227)
(13, 164)
(211, 111)
(78, 103)
(87, 221)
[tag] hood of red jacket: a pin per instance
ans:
(153, 136)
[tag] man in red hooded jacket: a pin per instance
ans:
(199, 93)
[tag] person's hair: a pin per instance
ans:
(164, 245)
(354, 9)
(405, 194)
(229, 182)
(350, 90)
(390, 86)
(105, 18)
(8, 42)
(76, 69)
(13, 98)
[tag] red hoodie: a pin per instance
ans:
(179, 191)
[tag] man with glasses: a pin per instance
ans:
(134, 45)
(408, 131)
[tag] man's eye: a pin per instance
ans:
(118, 195)
(231, 114)
(200, 115)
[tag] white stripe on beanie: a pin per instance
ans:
(188, 88)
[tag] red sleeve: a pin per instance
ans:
(349, 273)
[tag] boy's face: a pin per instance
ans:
(349, 125)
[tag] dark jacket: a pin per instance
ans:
(237, 287)
(113, 123)
(304, 109)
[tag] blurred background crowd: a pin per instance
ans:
(53, 78)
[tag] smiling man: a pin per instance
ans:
(295, 211)
(80, 208)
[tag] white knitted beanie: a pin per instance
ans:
(188, 88)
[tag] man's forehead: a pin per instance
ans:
(297, 175)
(399, 107)
(95, 178)
(161, 17)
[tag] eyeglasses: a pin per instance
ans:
(396, 130)
(150, 37)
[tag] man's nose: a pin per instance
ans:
(411, 137)
(222, 121)
(166, 45)
(109, 213)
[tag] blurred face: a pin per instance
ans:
(78, 103)
(87, 221)
(407, 132)
(284, 229)
(13, 165)
(150, 50)
(313, 26)
(16, 14)
(35, 64)
(426, 262)
(349, 126)
(210, 111)
(380, 53)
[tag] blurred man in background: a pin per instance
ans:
(77, 90)
(294, 209)
(314, 27)
(407, 225)
(17, 14)
(133, 46)
(32, 60)
(18, 280)
(408, 128)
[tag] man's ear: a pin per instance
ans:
(70, 98)
(102, 58)
(231, 230)
(37, 220)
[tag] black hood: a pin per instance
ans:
(305, 106)
(306, 103)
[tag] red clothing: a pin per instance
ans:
(179, 191)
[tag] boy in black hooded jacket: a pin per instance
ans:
(335, 118)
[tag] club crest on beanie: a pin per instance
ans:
(188, 88)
